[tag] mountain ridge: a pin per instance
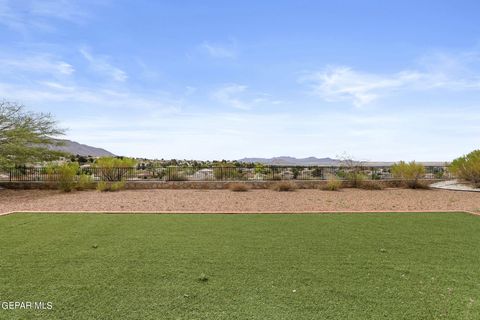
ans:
(80, 149)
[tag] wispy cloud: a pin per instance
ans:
(93, 98)
(43, 63)
(101, 65)
(35, 15)
(344, 83)
(339, 83)
(237, 96)
(229, 95)
(221, 51)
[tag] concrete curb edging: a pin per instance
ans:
(241, 212)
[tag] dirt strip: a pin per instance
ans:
(225, 201)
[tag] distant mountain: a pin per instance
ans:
(81, 149)
(291, 161)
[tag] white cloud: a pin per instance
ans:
(228, 95)
(216, 50)
(41, 63)
(338, 83)
(101, 65)
(98, 100)
(33, 15)
(344, 83)
(239, 97)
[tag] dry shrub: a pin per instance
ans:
(371, 185)
(333, 183)
(284, 186)
(238, 187)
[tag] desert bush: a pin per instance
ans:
(104, 186)
(371, 185)
(85, 182)
(355, 179)
(117, 186)
(238, 187)
(333, 183)
(114, 169)
(67, 173)
(467, 167)
(410, 173)
(284, 186)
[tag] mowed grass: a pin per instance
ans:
(328, 266)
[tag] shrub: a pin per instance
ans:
(104, 186)
(371, 185)
(238, 187)
(333, 183)
(284, 186)
(410, 173)
(355, 178)
(117, 186)
(467, 167)
(114, 169)
(66, 176)
(85, 181)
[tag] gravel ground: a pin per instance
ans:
(213, 201)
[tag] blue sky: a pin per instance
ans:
(379, 80)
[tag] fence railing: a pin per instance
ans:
(222, 173)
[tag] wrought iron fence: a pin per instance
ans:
(219, 173)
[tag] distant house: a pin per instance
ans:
(203, 174)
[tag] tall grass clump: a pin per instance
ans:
(410, 173)
(85, 182)
(105, 186)
(467, 167)
(333, 183)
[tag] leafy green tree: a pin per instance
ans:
(114, 168)
(25, 137)
(467, 167)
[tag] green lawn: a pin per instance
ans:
(326, 266)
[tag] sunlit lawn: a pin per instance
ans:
(309, 266)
